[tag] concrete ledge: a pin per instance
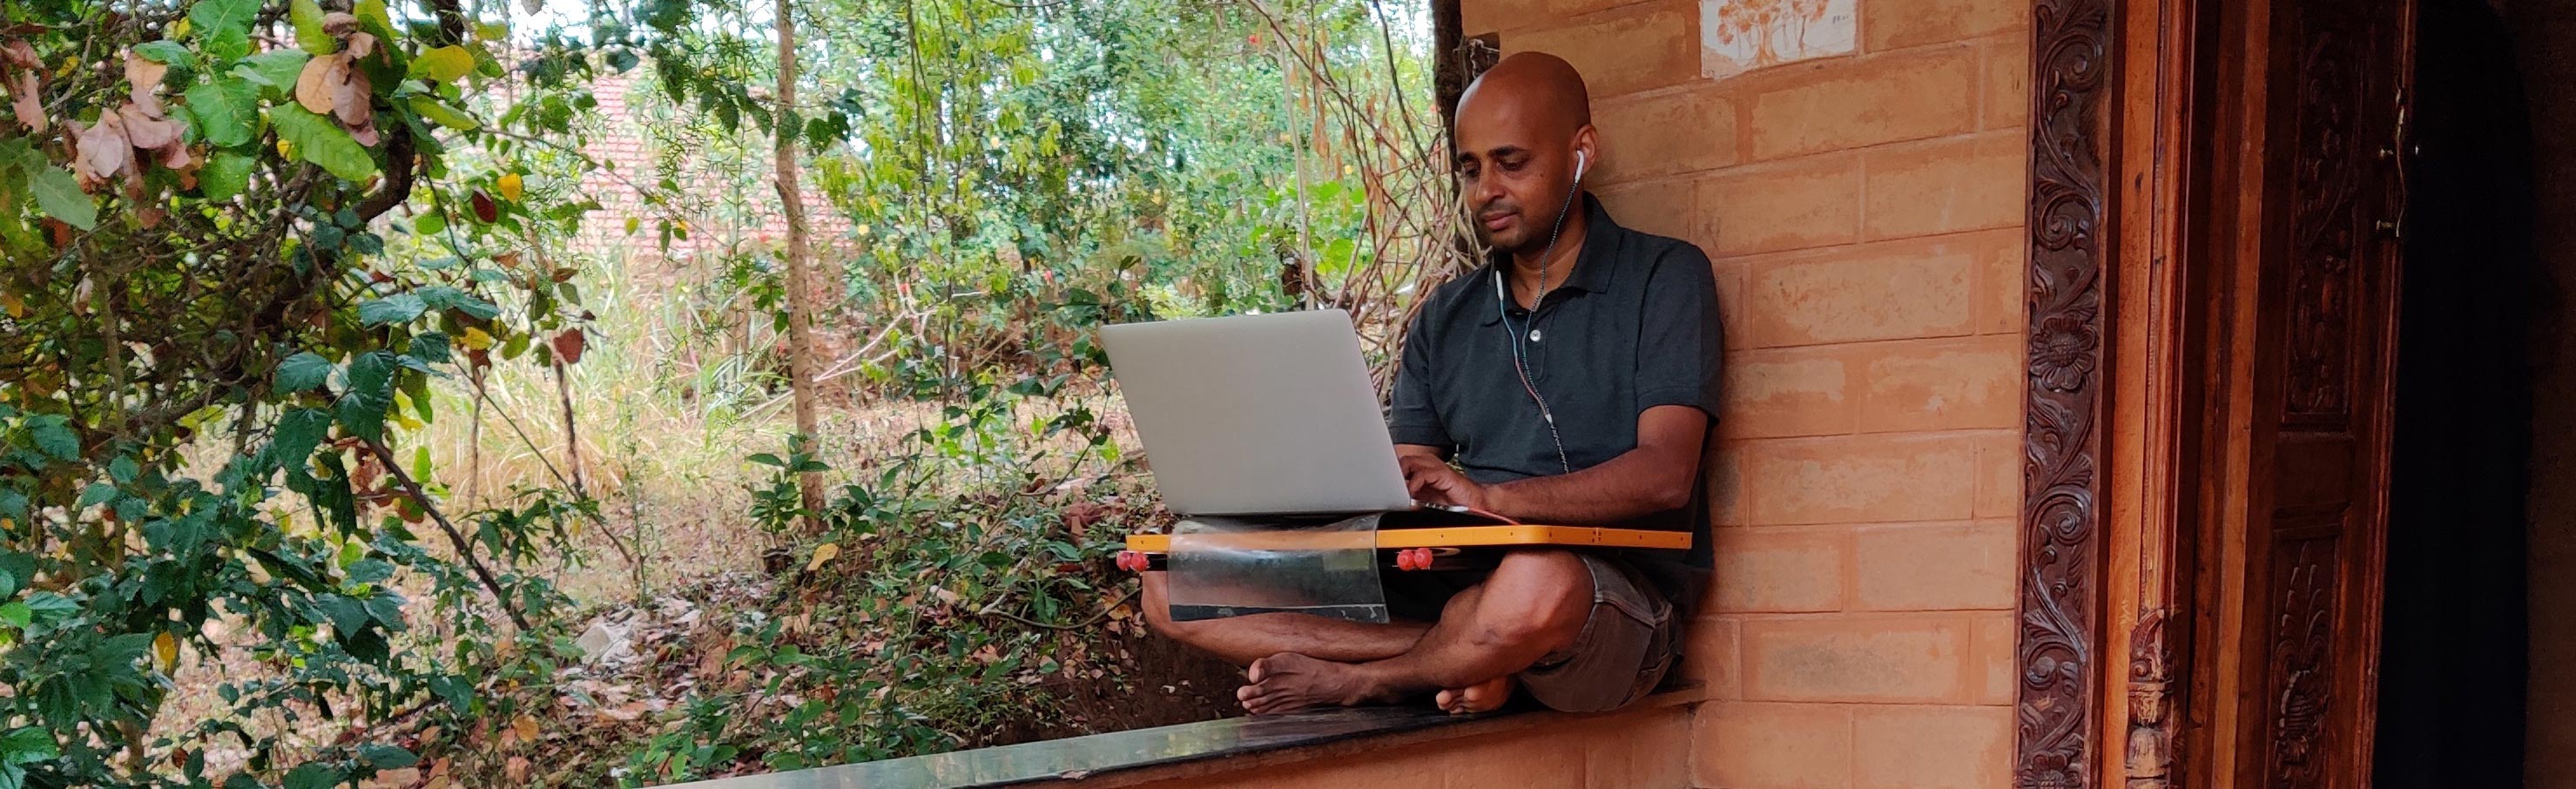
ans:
(1199, 753)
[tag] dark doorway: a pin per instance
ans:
(2454, 644)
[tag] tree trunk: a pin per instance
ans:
(801, 363)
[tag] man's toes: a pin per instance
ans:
(1260, 668)
(1447, 700)
(1485, 696)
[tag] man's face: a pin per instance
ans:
(1514, 174)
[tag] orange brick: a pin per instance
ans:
(1713, 656)
(1730, 297)
(1773, 570)
(1773, 746)
(1649, 749)
(1858, 479)
(1969, 382)
(1664, 132)
(1931, 747)
(1854, 659)
(1531, 759)
(1868, 101)
(1904, 290)
(1906, 23)
(2000, 461)
(2007, 91)
(1933, 567)
(1787, 392)
(1791, 205)
(1991, 656)
(1493, 16)
(1945, 186)
(1729, 503)
(2003, 280)
(1565, 8)
(1625, 52)
(1665, 207)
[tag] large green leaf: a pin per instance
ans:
(62, 198)
(302, 372)
(227, 110)
(216, 16)
(309, 33)
(386, 757)
(225, 174)
(298, 432)
(397, 308)
(444, 115)
(362, 408)
(54, 436)
(168, 53)
(27, 746)
(318, 140)
(315, 775)
(275, 70)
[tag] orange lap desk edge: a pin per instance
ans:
(1486, 537)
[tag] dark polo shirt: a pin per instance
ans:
(1634, 327)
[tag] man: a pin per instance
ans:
(1573, 379)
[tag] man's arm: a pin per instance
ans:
(1655, 477)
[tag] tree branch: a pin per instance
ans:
(464, 549)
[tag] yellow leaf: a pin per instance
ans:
(823, 553)
(476, 339)
(17, 309)
(445, 64)
(166, 648)
(510, 187)
(526, 727)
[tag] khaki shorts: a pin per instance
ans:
(1628, 643)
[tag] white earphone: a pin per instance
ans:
(1520, 353)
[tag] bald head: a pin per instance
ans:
(1523, 130)
(1537, 87)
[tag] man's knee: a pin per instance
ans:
(1537, 598)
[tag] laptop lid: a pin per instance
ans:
(1257, 414)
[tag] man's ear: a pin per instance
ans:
(1587, 150)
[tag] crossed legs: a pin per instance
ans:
(1533, 604)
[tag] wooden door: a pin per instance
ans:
(2322, 361)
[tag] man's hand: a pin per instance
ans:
(1432, 480)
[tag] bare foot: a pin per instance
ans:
(1484, 696)
(1287, 682)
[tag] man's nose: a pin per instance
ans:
(1483, 191)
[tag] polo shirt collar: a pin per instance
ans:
(1594, 266)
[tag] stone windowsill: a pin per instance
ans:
(1184, 751)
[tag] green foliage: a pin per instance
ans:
(937, 607)
(198, 266)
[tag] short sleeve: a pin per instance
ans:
(1414, 418)
(1679, 345)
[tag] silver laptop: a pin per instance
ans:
(1257, 415)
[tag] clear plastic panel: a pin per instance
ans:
(1222, 567)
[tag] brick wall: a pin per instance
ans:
(1864, 209)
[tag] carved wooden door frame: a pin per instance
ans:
(2142, 114)
(2123, 108)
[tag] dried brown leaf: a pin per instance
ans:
(340, 24)
(104, 151)
(317, 86)
(18, 53)
(23, 100)
(146, 78)
(147, 129)
(361, 45)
